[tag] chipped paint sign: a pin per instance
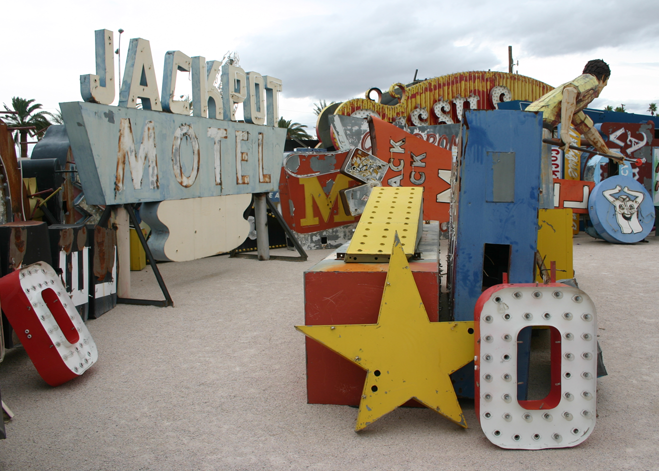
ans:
(414, 162)
(556, 162)
(128, 155)
(309, 191)
(350, 131)
(168, 150)
(632, 140)
(443, 99)
(572, 194)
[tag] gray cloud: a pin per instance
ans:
(348, 52)
(338, 61)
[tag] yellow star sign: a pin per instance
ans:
(405, 355)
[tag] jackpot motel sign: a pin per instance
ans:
(127, 155)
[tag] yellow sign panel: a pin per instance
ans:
(389, 210)
(555, 241)
(405, 355)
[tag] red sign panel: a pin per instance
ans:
(632, 140)
(309, 191)
(414, 162)
(572, 194)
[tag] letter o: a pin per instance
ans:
(185, 130)
(566, 417)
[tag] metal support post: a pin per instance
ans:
(148, 302)
(261, 222)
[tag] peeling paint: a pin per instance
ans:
(109, 115)
(323, 164)
(292, 163)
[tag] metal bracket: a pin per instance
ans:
(302, 254)
(146, 302)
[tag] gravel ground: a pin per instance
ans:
(218, 382)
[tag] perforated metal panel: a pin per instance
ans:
(388, 211)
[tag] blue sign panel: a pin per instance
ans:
(495, 204)
(128, 155)
(621, 210)
(494, 216)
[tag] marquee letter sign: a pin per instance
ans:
(170, 154)
(566, 416)
(46, 321)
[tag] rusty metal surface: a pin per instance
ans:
(66, 240)
(68, 195)
(17, 245)
(15, 190)
(442, 99)
(168, 156)
(81, 240)
(105, 241)
(326, 239)
(354, 199)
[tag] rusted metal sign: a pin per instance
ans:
(127, 155)
(13, 204)
(350, 131)
(632, 140)
(70, 253)
(444, 99)
(160, 152)
(414, 162)
(309, 191)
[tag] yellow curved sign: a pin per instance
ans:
(441, 100)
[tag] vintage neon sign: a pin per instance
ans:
(309, 189)
(442, 100)
(566, 416)
(46, 322)
(210, 153)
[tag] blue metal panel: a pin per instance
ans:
(478, 222)
(598, 116)
(95, 134)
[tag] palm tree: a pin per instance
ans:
(27, 115)
(620, 109)
(57, 118)
(608, 108)
(320, 106)
(652, 108)
(295, 130)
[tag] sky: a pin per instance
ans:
(337, 50)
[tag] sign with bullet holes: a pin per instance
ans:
(566, 416)
(47, 323)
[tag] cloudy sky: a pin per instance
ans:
(337, 50)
